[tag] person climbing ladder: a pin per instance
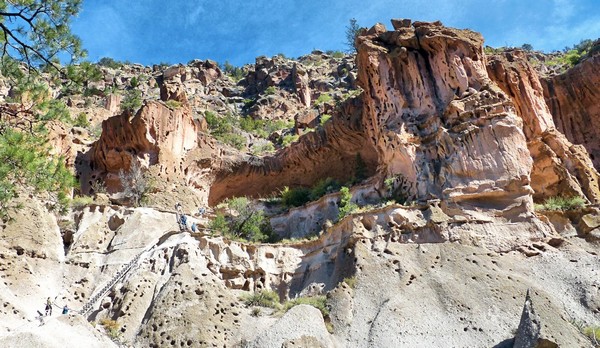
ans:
(48, 307)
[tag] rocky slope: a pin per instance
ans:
(468, 140)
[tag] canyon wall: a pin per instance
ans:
(559, 167)
(573, 101)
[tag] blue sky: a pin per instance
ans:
(177, 31)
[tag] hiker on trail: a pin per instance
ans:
(48, 307)
(184, 220)
(178, 207)
(194, 227)
(65, 310)
(201, 211)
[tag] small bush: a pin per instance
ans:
(270, 90)
(110, 63)
(132, 101)
(323, 187)
(173, 104)
(112, 327)
(99, 186)
(593, 332)
(236, 73)
(81, 201)
(324, 119)
(263, 148)
(81, 120)
(263, 298)
(351, 282)
(244, 222)
(295, 197)
(219, 224)
(236, 140)
(561, 203)
(289, 139)
(218, 125)
(319, 302)
(346, 205)
(134, 82)
(323, 98)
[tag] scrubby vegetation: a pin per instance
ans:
(132, 101)
(173, 104)
(561, 203)
(228, 129)
(262, 298)
(572, 55)
(351, 282)
(347, 207)
(243, 221)
(236, 73)
(112, 327)
(319, 302)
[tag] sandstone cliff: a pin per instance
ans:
(469, 140)
(559, 167)
(573, 101)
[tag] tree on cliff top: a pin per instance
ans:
(352, 31)
(36, 32)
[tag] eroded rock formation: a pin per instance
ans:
(559, 167)
(437, 119)
(156, 135)
(573, 101)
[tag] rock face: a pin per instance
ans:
(573, 101)
(469, 141)
(559, 167)
(156, 135)
(430, 109)
(427, 109)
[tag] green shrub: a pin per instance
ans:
(81, 120)
(234, 72)
(219, 224)
(248, 102)
(288, 139)
(218, 125)
(132, 101)
(270, 90)
(295, 197)
(351, 282)
(236, 140)
(322, 99)
(346, 205)
(319, 302)
(81, 201)
(263, 298)
(134, 82)
(110, 63)
(263, 148)
(245, 222)
(593, 332)
(173, 104)
(561, 203)
(323, 187)
(337, 54)
(324, 119)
